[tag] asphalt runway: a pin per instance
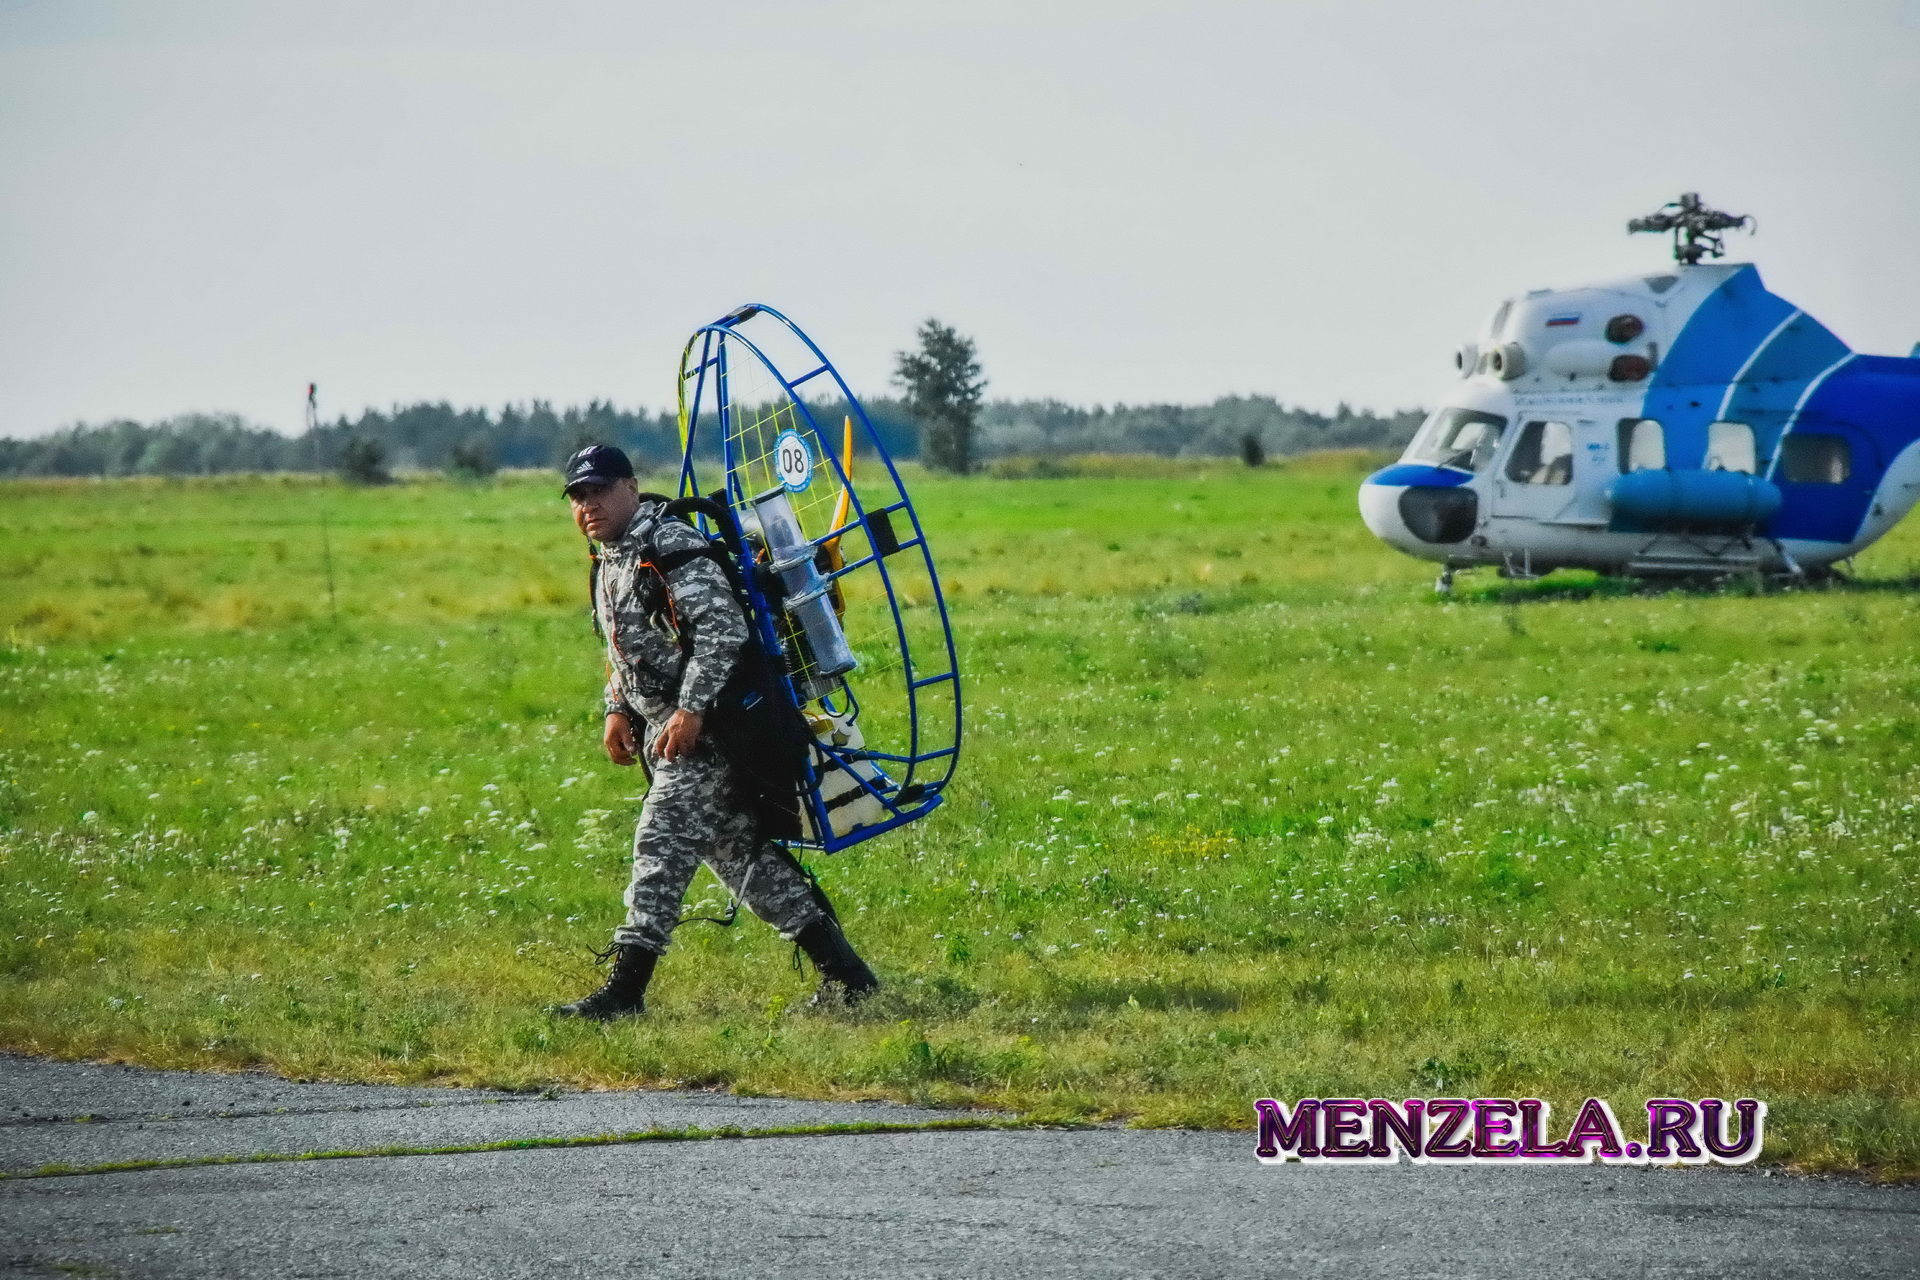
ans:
(848, 1202)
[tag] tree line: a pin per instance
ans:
(440, 437)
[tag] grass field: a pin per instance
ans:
(1245, 811)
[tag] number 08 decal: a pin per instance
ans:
(792, 461)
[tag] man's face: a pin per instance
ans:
(603, 511)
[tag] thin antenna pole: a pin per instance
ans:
(313, 423)
(326, 535)
(326, 556)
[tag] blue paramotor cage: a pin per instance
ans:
(906, 781)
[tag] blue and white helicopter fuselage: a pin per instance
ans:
(1684, 422)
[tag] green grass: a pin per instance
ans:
(1245, 811)
(625, 1138)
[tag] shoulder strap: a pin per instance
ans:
(678, 509)
(593, 591)
(714, 509)
(667, 563)
(723, 552)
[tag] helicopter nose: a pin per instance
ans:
(1419, 509)
(1380, 509)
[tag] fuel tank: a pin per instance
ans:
(1689, 498)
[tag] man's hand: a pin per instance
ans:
(679, 737)
(621, 748)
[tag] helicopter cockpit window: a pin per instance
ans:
(1730, 447)
(1643, 445)
(1464, 438)
(1815, 459)
(1542, 455)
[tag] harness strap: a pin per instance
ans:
(593, 590)
(650, 558)
(666, 564)
(775, 849)
(725, 921)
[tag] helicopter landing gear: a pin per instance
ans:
(1443, 585)
(1796, 573)
(1521, 571)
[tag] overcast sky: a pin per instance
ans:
(205, 205)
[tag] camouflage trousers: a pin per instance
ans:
(689, 816)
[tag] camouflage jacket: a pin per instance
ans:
(672, 641)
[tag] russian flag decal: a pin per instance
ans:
(1564, 318)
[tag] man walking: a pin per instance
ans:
(675, 635)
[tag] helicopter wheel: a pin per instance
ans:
(1443, 585)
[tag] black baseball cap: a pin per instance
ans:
(597, 464)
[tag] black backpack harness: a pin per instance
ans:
(753, 723)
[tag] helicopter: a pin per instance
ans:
(1684, 423)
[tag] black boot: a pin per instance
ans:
(844, 976)
(624, 991)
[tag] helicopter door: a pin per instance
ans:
(1536, 482)
(1827, 475)
(1593, 471)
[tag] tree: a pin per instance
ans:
(1252, 452)
(536, 434)
(943, 385)
(169, 453)
(363, 461)
(472, 461)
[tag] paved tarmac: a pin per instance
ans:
(1105, 1202)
